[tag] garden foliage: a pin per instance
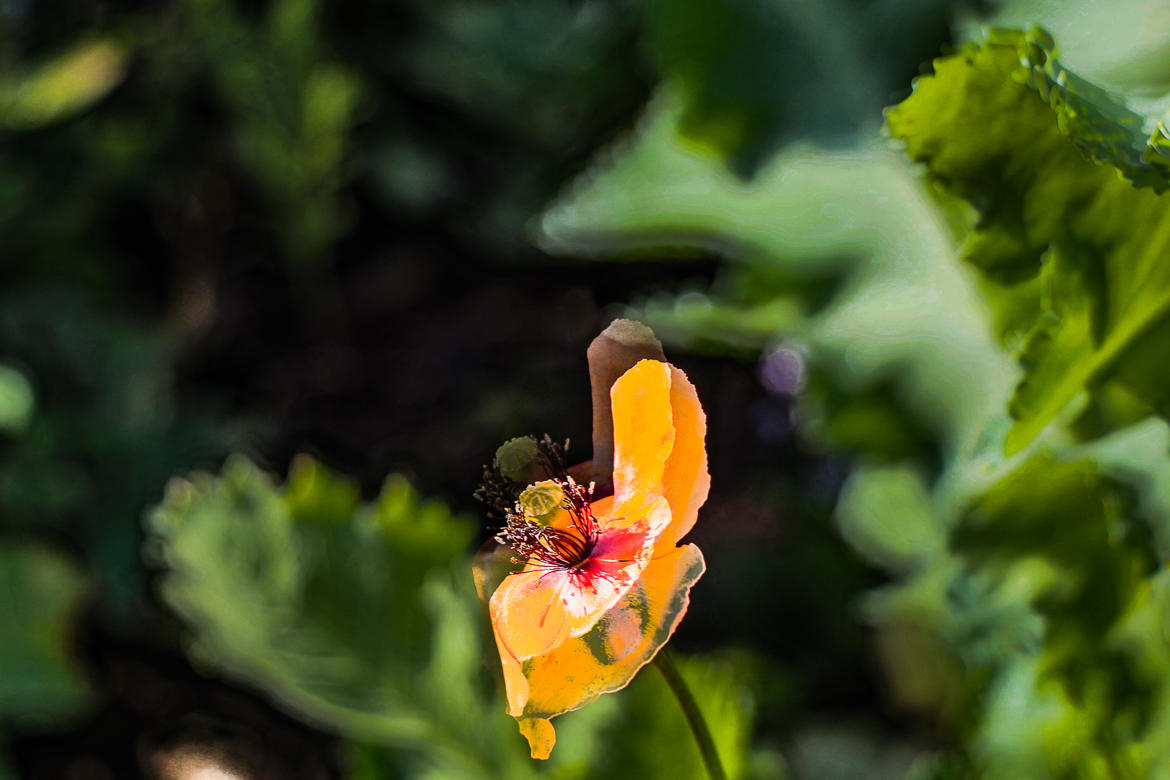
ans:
(961, 309)
(1023, 527)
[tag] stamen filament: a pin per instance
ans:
(555, 548)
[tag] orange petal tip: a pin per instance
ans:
(540, 734)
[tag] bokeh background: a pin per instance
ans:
(278, 276)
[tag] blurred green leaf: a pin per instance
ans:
(650, 736)
(994, 126)
(1085, 574)
(106, 415)
(357, 616)
(886, 513)
(40, 594)
(1046, 593)
(16, 400)
(513, 62)
(362, 617)
(834, 752)
(292, 109)
(757, 73)
(61, 87)
(837, 253)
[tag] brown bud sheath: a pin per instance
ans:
(611, 354)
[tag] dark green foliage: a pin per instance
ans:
(1027, 610)
(40, 594)
(103, 438)
(754, 74)
(246, 226)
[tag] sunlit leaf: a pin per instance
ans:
(61, 87)
(1003, 125)
(1123, 45)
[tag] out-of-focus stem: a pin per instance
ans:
(694, 716)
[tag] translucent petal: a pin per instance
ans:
(607, 657)
(536, 610)
(643, 431)
(685, 480)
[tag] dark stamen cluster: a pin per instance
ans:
(555, 548)
(552, 457)
(498, 493)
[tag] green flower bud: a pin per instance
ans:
(515, 457)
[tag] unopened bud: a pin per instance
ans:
(515, 457)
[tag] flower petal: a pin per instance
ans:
(607, 657)
(540, 734)
(528, 612)
(617, 561)
(685, 480)
(643, 431)
(648, 511)
(539, 608)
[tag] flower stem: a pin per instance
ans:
(690, 709)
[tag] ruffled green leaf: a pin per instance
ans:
(1041, 623)
(359, 616)
(1041, 154)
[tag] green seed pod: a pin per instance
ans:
(515, 457)
(542, 500)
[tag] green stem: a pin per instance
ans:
(694, 716)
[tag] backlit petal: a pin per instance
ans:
(515, 683)
(529, 614)
(537, 609)
(613, 568)
(642, 509)
(540, 734)
(685, 481)
(643, 431)
(606, 658)
(569, 633)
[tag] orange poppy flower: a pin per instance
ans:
(603, 582)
